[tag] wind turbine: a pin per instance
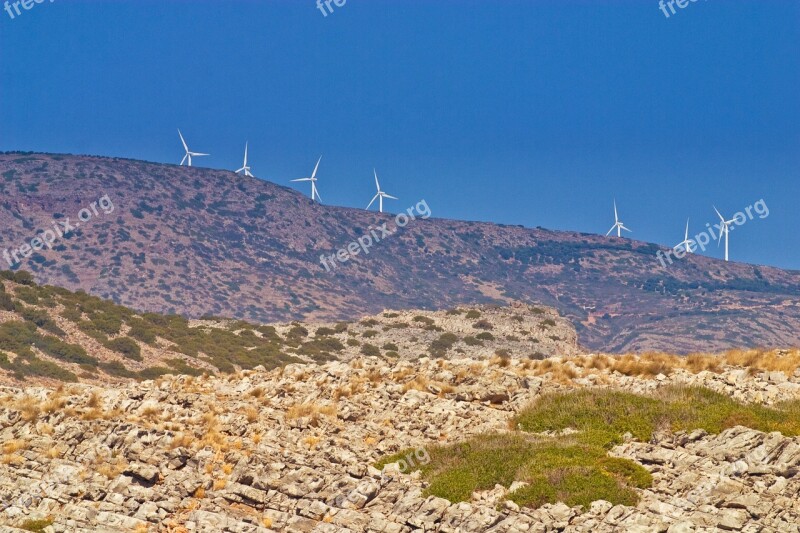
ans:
(313, 180)
(380, 196)
(725, 230)
(245, 168)
(189, 153)
(687, 243)
(619, 226)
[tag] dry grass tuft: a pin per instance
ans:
(311, 410)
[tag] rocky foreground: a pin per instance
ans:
(293, 450)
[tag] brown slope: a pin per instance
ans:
(198, 241)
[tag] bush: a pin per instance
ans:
(370, 350)
(483, 324)
(440, 346)
(472, 341)
(423, 320)
(472, 313)
(325, 332)
(127, 347)
(297, 333)
(369, 334)
(141, 331)
(391, 347)
(70, 353)
(485, 336)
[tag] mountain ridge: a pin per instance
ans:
(200, 241)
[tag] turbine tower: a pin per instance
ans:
(313, 180)
(380, 196)
(189, 153)
(687, 243)
(619, 226)
(245, 168)
(725, 230)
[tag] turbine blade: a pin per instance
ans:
(183, 141)
(722, 218)
(372, 201)
(302, 179)
(616, 217)
(390, 196)
(378, 185)
(314, 174)
(184, 159)
(612, 229)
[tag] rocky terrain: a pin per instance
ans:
(295, 448)
(197, 242)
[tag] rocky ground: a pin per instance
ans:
(293, 450)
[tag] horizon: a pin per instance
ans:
(542, 124)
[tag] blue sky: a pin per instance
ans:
(523, 112)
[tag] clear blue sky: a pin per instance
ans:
(515, 111)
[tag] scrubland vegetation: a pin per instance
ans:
(558, 447)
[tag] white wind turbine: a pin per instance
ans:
(189, 153)
(313, 180)
(687, 243)
(725, 230)
(619, 226)
(245, 168)
(380, 196)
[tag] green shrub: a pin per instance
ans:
(127, 347)
(472, 341)
(297, 333)
(370, 350)
(325, 332)
(485, 336)
(440, 346)
(391, 347)
(473, 313)
(483, 324)
(423, 320)
(369, 334)
(141, 331)
(70, 353)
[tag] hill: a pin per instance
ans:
(50, 335)
(200, 242)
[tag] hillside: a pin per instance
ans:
(204, 242)
(584, 444)
(50, 335)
